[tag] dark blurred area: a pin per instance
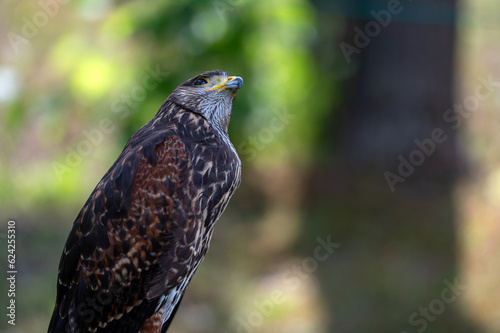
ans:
(367, 132)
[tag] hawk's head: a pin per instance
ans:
(209, 94)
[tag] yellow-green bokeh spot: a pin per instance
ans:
(94, 78)
(67, 52)
(120, 24)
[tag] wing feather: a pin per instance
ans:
(115, 253)
(145, 228)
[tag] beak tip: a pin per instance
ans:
(234, 82)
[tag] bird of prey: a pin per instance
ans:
(142, 233)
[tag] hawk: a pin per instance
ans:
(142, 233)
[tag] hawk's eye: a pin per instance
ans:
(199, 82)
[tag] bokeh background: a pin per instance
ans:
(368, 126)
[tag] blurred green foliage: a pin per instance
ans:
(89, 63)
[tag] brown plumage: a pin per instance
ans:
(145, 228)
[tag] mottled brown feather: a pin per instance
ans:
(146, 227)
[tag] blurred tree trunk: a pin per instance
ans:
(386, 197)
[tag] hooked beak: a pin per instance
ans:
(232, 82)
